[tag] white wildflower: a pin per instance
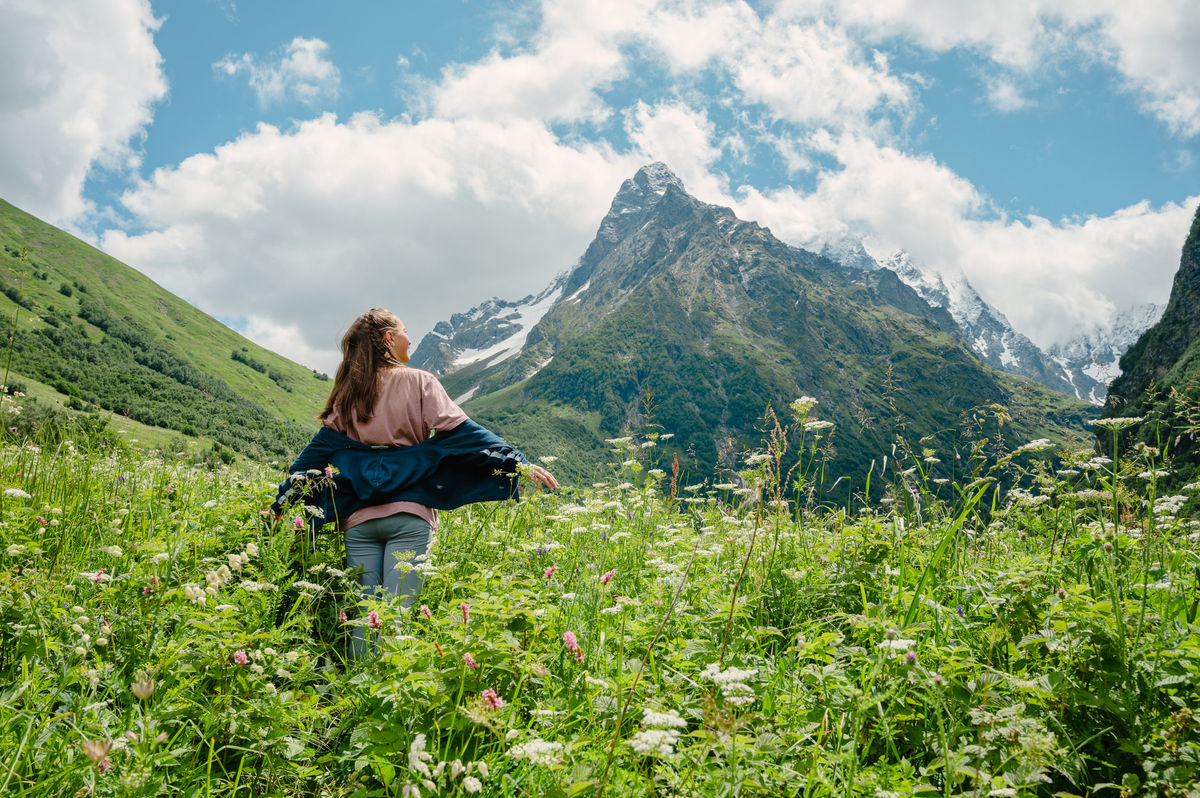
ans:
(16, 493)
(536, 751)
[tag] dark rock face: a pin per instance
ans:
(1162, 346)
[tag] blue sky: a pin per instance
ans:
(285, 165)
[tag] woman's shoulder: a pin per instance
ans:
(408, 378)
(408, 374)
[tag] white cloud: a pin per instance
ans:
(301, 71)
(78, 80)
(1005, 96)
(814, 74)
(1152, 44)
(311, 226)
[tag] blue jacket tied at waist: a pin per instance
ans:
(455, 467)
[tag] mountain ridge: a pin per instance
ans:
(709, 320)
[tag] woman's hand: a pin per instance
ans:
(542, 477)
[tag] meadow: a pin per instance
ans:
(1027, 630)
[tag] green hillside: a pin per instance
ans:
(107, 337)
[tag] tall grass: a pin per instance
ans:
(160, 635)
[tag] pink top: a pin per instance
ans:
(409, 406)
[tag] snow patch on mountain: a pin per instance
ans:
(521, 319)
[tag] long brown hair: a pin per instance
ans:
(364, 353)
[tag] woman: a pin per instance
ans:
(385, 500)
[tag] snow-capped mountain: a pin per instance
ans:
(990, 334)
(986, 328)
(1082, 368)
(1092, 359)
(486, 335)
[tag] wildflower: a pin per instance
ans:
(373, 620)
(536, 751)
(732, 682)
(663, 720)
(1108, 546)
(466, 612)
(549, 572)
(817, 426)
(14, 550)
(298, 522)
(426, 612)
(910, 658)
(490, 699)
(896, 644)
(257, 669)
(252, 549)
(100, 576)
(418, 756)
(96, 750)
(608, 577)
(801, 406)
(16, 493)
(240, 658)
(472, 785)
(469, 661)
(342, 617)
(1118, 423)
(113, 551)
(143, 688)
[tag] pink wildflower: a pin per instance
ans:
(240, 658)
(329, 472)
(99, 575)
(470, 661)
(373, 620)
(146, 590)
(41, 521)
(342, 617)
(96, 750)
(466, 612)
(608, 577)
(573, 646)
(550, 571)
(426, 612)
(490, 699)
(299, 522)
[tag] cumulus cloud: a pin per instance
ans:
(1151, 44)
(308, 227)
(301, 71)
(78, 80)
